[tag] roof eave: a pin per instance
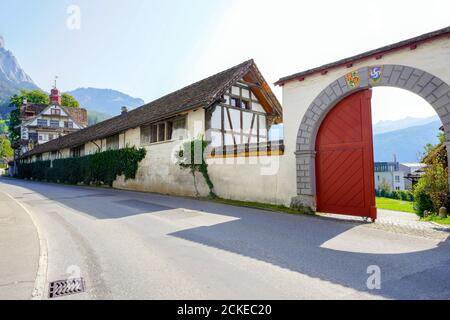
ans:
(412, 43)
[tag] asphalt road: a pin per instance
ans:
(131, 245)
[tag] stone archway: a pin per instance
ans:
(424, 84)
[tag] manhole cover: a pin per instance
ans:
(65, 287)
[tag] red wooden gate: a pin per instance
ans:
(344, 161)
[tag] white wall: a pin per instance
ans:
(432, 57)
(247, 179)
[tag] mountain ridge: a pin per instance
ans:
(407, 144)
(104, 103)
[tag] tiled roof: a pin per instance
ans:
(33, 108)
(79, 115)
(373, 53)
(200, 94)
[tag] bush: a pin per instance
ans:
(99, 168)
(395, 195)
(436, 184)
(422, 200)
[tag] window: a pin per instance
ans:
(397, 188)
(68, 124)
(239, 97)
(112, 143)
(51, 136)
(54, 123)
(41, 137)
(397, 179)
(55, 112)
(33, 136)
(238, 103)
(54, 155)
(42, 123)
(77, 151)
(179, 129)
(163, 131)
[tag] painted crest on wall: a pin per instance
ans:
(353, 79)
(375, 74)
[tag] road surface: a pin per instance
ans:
(131, 245)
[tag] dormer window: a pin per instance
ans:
(55, 112)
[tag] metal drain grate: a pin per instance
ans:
(65, 287)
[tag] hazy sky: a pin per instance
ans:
(150, 48)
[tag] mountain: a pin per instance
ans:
(12, 77)
(393, 125)
(104, 103)
(407, 144)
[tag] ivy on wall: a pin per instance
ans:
(191, 157)
(100, 168)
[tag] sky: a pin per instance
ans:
(150, 48)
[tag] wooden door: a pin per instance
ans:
(344, 160)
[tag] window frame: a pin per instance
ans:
(54, 122)
(152, 133)
(42, 121)
(55, 112)
(113, 142)
(77, 152)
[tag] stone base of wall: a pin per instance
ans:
(304, 203)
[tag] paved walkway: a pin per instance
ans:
(400, 222)
(19, 248)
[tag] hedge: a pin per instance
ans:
(99, 168)
(398, 195)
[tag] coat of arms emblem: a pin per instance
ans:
(353, 79)
(375, 74)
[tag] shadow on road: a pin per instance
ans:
(290, 242)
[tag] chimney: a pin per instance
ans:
(124, 110)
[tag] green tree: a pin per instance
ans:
(6, 152)
(68, 101)
(422, 200)
(3, 126)
(385, 188)
(436, 184)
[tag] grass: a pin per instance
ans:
(395, 205)
(258, 205)
(434, 218)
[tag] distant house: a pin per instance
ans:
(42, 123)
(399, 176)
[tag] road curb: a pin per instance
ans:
(41, 274)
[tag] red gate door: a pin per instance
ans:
(344, 160)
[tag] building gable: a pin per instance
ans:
(51, 110)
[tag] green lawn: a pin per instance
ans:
(395, 205)
(436, 219)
